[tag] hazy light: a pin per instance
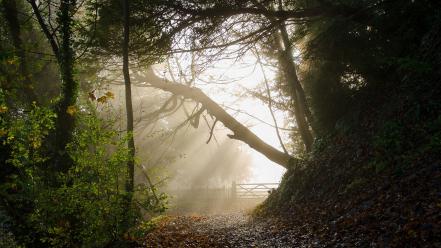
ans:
(223, 81)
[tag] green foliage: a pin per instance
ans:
(374, 94)
(148, 199)
(86, 205)
(89, 207)
(147, 40)
(23, 133)
(329, 98)
(396, 146)
(351, 60)
(25, 137)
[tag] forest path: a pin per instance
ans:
(224, 230)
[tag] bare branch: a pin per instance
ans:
(270, 102)
(211, 131)
(44, 27)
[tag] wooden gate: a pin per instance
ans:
(252, 190)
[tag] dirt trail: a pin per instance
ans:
(226, 230)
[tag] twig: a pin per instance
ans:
(211, 131)
(270, 104)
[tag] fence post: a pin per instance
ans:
(233, 190)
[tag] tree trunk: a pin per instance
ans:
(286, 60)
(240, 132)
(301, 109)
(301, 93)
(69, 87)
(129, 108)
(11, 16)
(64, 54)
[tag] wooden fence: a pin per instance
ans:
(252, 190)
(238, 196)
(236, 191)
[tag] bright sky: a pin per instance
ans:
(245, 74)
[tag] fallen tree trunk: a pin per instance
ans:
(240, 132)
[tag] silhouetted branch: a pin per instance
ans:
(270, 102)
(45, 29)
(211, 131)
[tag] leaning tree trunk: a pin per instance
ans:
(129, 107)
(240, 132)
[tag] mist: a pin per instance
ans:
(197, 175)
